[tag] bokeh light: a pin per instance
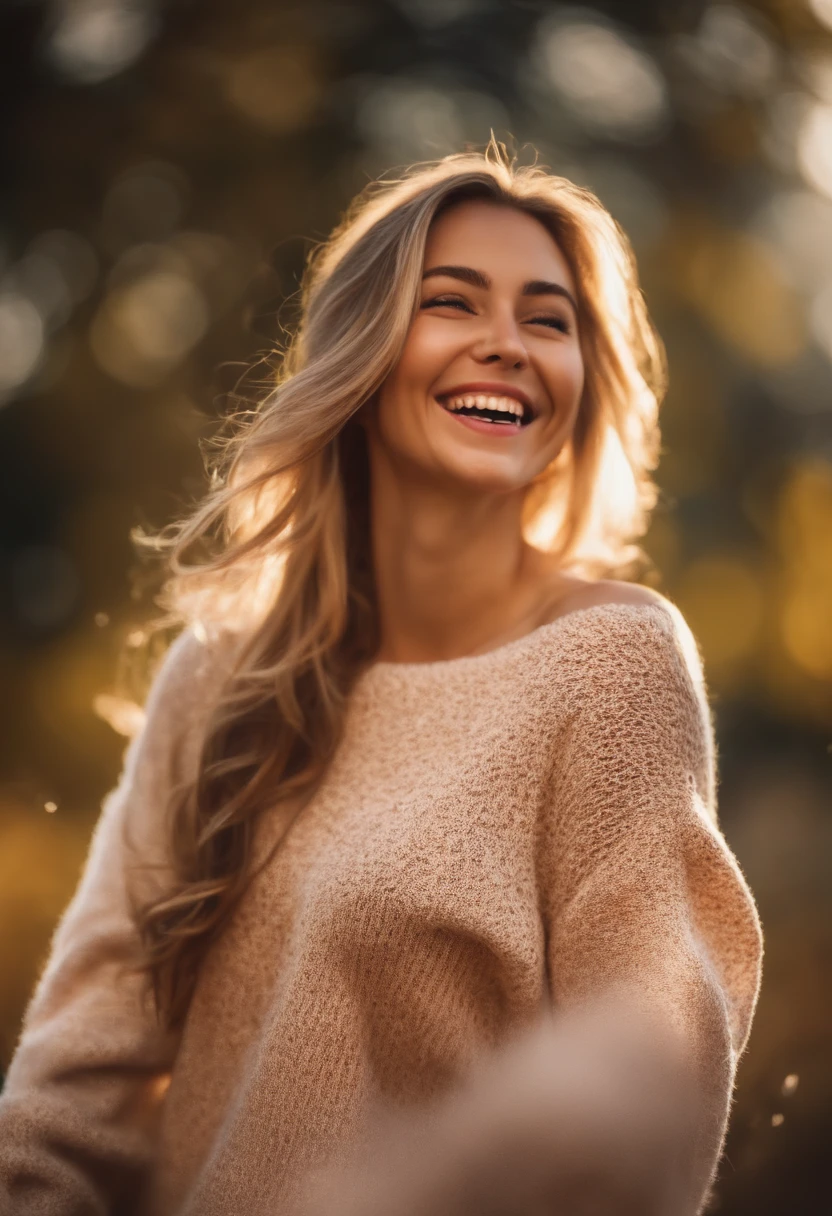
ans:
(784, 120)
(410, 119)
(722, 597)
(822, 9)
(21, 341)
(739, 288)
(821, 319)
(805, 538)
(814, 147)
(797, 224)
(38, 293)
(38, 278)
(276, 87)
(731, 51)
(611, 84)
(92, 40)
(145, 327)
(815, 69)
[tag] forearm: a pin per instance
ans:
(80, 1109)
(81, 1105)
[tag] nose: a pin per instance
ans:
(501, 342)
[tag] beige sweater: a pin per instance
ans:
(497, 836)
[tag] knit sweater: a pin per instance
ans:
(496, 836)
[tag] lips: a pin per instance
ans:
(498, 430)
(501, 425)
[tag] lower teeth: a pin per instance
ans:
(493, 421)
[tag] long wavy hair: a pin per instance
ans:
(278, 552)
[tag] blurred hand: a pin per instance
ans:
(589, 1114)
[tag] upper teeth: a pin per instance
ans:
(483, 401)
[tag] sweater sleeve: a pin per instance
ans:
(642, 894)
(82, 1096)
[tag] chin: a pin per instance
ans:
(487, 475)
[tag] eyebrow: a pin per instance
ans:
(476, 278)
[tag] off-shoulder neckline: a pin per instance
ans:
(575, 616)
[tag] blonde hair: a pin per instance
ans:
(286, 522)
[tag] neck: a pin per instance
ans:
(453, 573)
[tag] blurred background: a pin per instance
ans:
(166, 167)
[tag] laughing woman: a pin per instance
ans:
(421, 766)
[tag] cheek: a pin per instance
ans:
(579, 377)
(421, 364)
(573, 367)
(405, 385)
(423, 358)
(566, 376)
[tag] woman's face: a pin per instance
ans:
(488, 385)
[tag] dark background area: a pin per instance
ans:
(165, 169)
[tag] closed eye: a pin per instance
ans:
(447, 302)
(551, 322)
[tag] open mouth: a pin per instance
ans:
(489, 408)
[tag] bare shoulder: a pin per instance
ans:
(594, 593)
(616, 591)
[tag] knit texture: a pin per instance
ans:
(496, 836)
